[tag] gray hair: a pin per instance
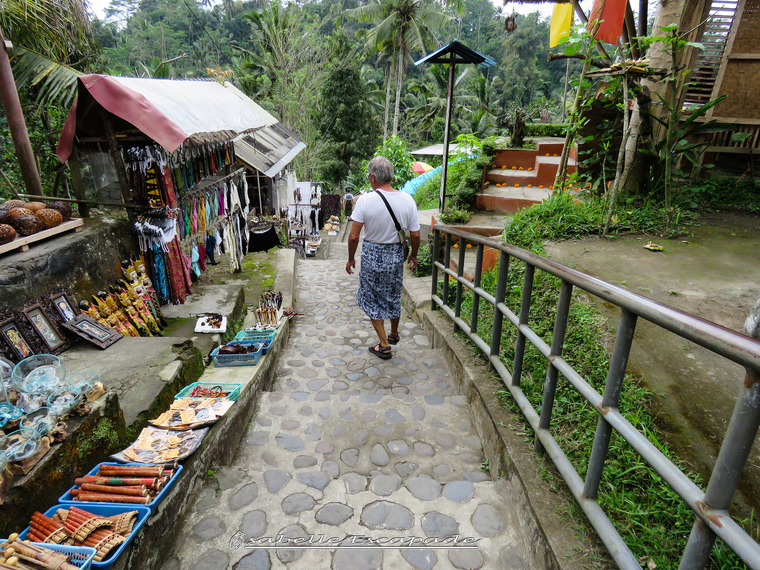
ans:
(382, 168)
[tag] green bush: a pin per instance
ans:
(546, 129)
(454, 216)
(427, 195)
(424, 261)
(724, 191)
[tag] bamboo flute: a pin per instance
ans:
(37, 553)
(137, 491)
(118, 481)
(131, 472)
(110, 498)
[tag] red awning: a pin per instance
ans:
(165, 110)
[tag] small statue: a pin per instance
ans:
(92, 310)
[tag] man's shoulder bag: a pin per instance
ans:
(401, 233)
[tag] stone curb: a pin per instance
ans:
(154, 544)
(551, 541)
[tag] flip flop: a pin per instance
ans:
(393, 339)
(383, 352)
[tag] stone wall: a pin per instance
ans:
(85, 262)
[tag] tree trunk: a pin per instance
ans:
(622, 158)
(752, 324)
(17, 125)
(388, 76)
(399, 82)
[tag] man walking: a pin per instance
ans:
(382, 267)
(348, 201)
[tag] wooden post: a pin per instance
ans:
(121, 171)
(76, 180)
(16, 123)
(446, 132)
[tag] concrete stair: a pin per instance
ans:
(521, 178)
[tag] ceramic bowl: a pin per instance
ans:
(39, 374)
(42, 420)
(85, 381)
(63, 400)
(20, 444)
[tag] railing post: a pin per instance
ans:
(558, 339)
(527, 293)
(498, 316)
(446, 264)
(460, 272)
(732, 457)
(612, 389)
(476, 284)
(434, 258)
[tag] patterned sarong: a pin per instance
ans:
(380, 279)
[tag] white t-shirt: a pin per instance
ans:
(378, 226)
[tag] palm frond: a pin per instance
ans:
(54, 82)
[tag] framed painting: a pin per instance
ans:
(54, 341)
(16, 342)
(63, 304)
(87, 328)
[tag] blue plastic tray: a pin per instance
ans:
(247, 336)
(68, 498)
(81, 556)
(234, 390)
(106, 510)
(250, 359)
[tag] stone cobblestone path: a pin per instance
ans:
(348, 445)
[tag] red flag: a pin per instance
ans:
(612, 12)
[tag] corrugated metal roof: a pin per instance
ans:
(269, 149)
(169, 111)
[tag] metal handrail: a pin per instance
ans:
(711, 506)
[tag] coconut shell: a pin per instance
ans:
(16, 212)
(28, 224)
(13, 204)
(63, 208)
(34, 206)
(5, 217)
(50, 218)
(7, 234)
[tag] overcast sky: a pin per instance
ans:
(99, 6)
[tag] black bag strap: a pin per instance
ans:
(387, 205)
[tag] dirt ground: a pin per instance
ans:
(713, 271)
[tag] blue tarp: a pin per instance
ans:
(411, 185)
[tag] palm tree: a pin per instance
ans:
(405, 26)
(51, 38)
(431, 96)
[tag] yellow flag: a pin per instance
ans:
(562, 19)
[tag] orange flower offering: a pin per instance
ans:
(521, 168)
(469, 246)
(514, 168)
(540, 185)
(503, 167)
(517, 185)
(530, 185)
(530, 168)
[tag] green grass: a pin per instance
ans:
(650, 517)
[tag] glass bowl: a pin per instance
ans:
(42, 420)
(85, 381)
(65, 399)
(20, 444)
(39, 374)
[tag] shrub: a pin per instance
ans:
(546, 129)
(455, 216)
(724, 191)
(424, 261)
(427, 195)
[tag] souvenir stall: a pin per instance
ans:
(172, 147)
